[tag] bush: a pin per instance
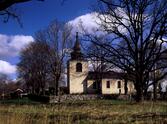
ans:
(14, 95)
(64, 90)
(38, 98)
(110, 96)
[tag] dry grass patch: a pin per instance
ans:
(97, 111)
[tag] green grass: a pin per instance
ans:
(18, 101)
(84, 112)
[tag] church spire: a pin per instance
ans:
(76, 54)
(77, 44)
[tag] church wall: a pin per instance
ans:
(77, 80)
(113, 86)
(131, 88)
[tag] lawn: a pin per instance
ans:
(84, 112)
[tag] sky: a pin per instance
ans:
(34, 16)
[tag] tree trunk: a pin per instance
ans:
(43, 91)
(155, 90)
(125, 87)
(139, 92)
(139, 96)
(57, 85)
(145, 93)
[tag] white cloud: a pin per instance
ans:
(92, 23)
(7, 68)
(10, 46)
(88, 22)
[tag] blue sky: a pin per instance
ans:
(35, 16)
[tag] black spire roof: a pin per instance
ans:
(77, 44)
(76, 54)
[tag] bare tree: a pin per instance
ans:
(6, 85)
(3, 79)
(136, 37)
(34, 66)
(98, 66)
(57, 36)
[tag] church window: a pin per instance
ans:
(108, 84)
(119, 84)
(79, 67)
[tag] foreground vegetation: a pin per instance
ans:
(97, 111)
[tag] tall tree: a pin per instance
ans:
(94, 55)
(4, 84)
(34, 66)
(58, 36)
(137, 32)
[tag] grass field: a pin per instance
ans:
(84, 112)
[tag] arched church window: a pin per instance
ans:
(79, 67)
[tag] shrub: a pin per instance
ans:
(110, 96)
(38, 98)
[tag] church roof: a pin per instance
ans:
(76, 54)
(105, 75)
(77, 46)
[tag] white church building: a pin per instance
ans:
(81, 81)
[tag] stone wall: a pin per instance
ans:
(55, 99)
(81, 97)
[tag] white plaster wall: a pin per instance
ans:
(77, 80)
(114, 87)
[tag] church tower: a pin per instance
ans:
(77, 70)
